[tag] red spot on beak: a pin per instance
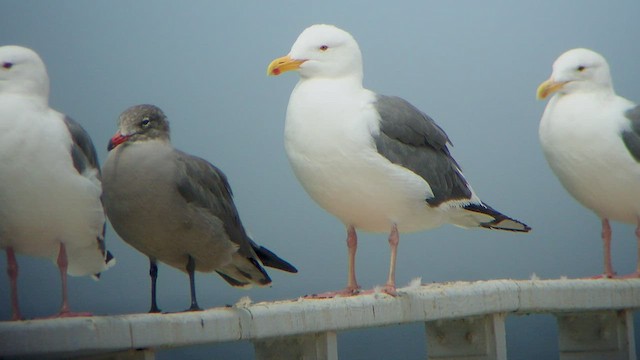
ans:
(116, 140)
(276, 71)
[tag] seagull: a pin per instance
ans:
(177, 208)
(49, 179)
(375, 162)
(591, 139)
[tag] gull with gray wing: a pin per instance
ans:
(49, 179)
(177, 208)
(375, 162)
(591, 139)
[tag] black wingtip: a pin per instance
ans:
(268, 258)
(266, 279)
(245, 278)
(109, 262)
(109, 257)
(500, 221)
(232, 281)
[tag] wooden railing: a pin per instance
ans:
(462, 321)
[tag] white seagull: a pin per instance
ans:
(591, 139)
(376, 162)
(49, 179)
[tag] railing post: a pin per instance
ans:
(318, 346)
(482, 338)
(596, 335)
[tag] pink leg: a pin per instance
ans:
(606, 242)
(62, 266)
(352, 246)
(12, 271)
(394, 240)
(390, 286)
(352, 285)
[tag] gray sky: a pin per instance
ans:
(473, 66)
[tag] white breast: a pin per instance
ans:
(580, 136)
(329, 144)
(44, 199)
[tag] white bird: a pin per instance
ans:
(375, 162)
(591, 140)
(49, 179)
(177, 208)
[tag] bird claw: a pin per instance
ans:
(603, 276)
(385, 289)
(389, 290)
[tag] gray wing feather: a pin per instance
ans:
(84, 156)
(410, 138)
(206, 186)
(82, 150)
(631, 138)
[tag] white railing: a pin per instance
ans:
(462, 321)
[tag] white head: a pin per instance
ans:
(577, 70)
(22, 72)
(322, 51)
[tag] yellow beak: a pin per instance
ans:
(549, 87)
(283, 64)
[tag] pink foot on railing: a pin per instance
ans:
(602, 276)
(349, 291)
(385, 289)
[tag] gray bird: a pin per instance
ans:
(177, 208)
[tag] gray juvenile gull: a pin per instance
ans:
(49, 179)
(177, 208)
(591, 139)
(375, 162)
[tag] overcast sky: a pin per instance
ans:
(472, 65)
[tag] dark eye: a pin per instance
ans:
(323, 48)
(581, 68)
(7, 65)
(145, 122)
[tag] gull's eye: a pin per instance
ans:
(581, 68)
(7, 65)
(323, 48)
(145, 122)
